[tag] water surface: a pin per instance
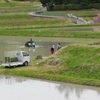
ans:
(19, 88)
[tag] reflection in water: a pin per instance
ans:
(79, 92)
(18, 88)
(11, 80)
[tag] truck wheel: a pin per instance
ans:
(25, 63)
(14, 66)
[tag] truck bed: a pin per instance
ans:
(10, 64)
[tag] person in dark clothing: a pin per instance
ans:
(52, 49)
(31, 40)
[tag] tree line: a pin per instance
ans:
(60, 2)
(68, 4)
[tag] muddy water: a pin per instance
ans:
(19, 88)
(8, 43)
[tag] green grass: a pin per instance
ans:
(81, 61)
(24, 20)
(50, 32)
(18, 7)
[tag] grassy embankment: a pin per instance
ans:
(76, 63)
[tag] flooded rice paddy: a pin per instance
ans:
(43, 44)
(19, 88)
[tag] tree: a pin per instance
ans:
(45, 2)
(55, 2)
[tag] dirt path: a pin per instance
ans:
(71, 17)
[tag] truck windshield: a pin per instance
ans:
(25, 54)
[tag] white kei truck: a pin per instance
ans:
(16, 58)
